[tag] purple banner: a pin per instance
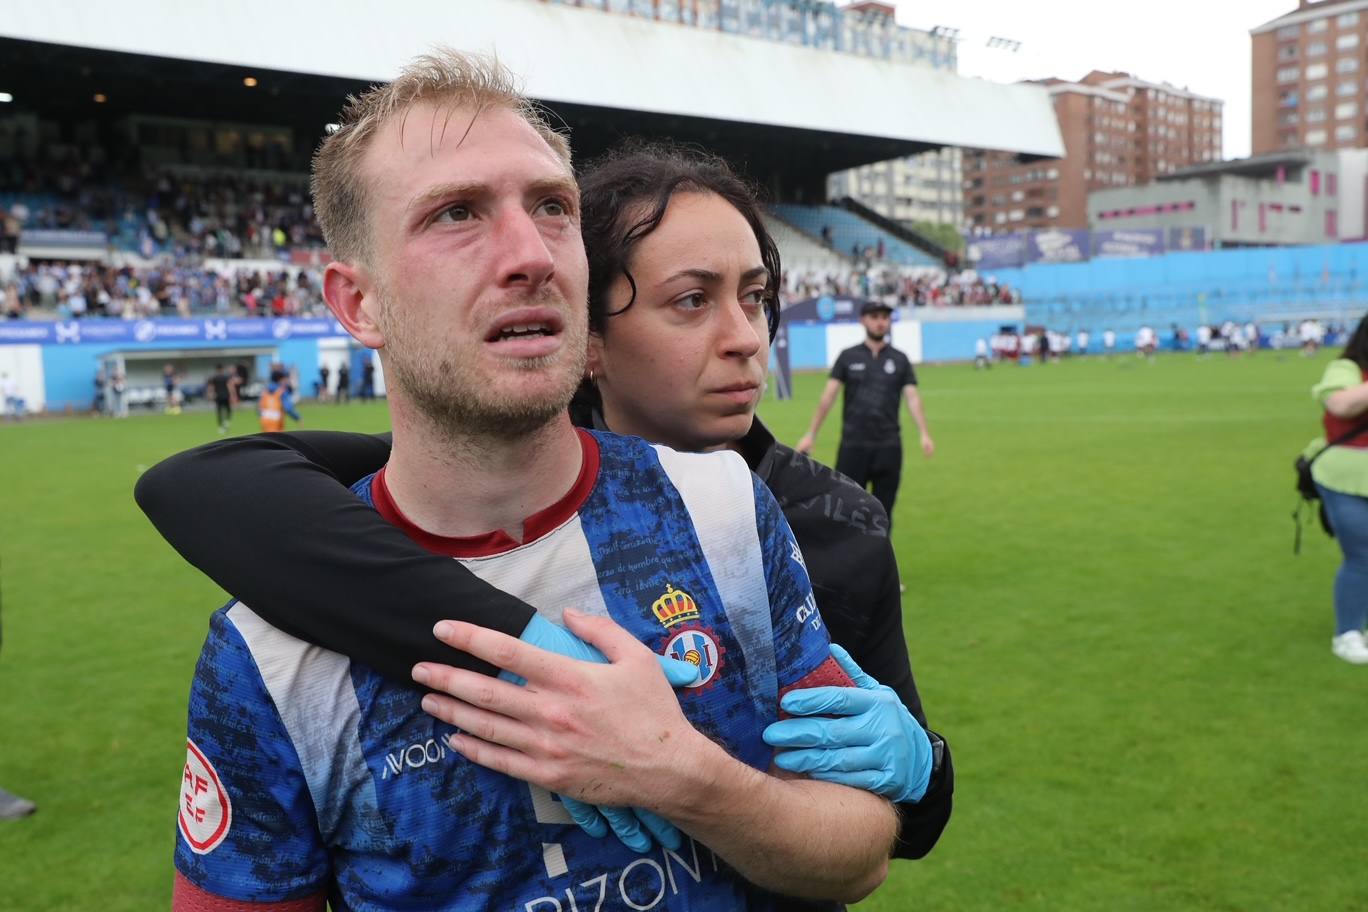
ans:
(826, 309)
(1058, 245)
(1138, 242)
(1006, 251)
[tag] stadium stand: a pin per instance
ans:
(164, 243)
(803, 253)
(74, 290)
(151, 201)
(899, 230)
(849, 232)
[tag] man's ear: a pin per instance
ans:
(350, 293)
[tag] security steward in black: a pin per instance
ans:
(877, 378)
(325, 586)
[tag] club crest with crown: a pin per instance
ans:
(675, 607)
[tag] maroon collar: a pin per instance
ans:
(490, 543)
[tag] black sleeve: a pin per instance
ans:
(841, 368)
(270, 520)
(883, 656)
(911, 378)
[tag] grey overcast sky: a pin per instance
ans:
(1199, 44)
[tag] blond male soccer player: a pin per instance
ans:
(451, 211)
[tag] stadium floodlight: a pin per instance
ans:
(946, 32)
(6, 98)
(249, 81)
(1004, 44)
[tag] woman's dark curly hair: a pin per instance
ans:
(1357, 348)
(624, 195)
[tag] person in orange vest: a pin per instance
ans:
(275, 403)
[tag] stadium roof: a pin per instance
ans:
(1265, 166)
(579, 59)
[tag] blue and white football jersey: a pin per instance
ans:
(308, 772)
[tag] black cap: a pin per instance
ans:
(869, 307)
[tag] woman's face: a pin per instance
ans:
(685, 364)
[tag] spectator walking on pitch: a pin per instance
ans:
(1341, 476)
(12, 398)
(99, 404)
(12, 806)
(171, 383)
(118, 391)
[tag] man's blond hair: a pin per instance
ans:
(471, 82)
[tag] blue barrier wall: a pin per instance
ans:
(69, 372)
(1260, 284)
(954, 341)
(301, 354)
(807, 346)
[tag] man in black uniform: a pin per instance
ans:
(344, 384)
(877, 378)
(222, 386)
(368, 380)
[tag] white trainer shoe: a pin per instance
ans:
(1351, 647)
(12, 807)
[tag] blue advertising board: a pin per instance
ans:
(1006, 251)
(1139, 242)
(1058, 245)
(210, 329)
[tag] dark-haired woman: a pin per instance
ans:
(682, 305)
(1341, 474)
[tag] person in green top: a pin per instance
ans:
(1341, 475)
(12, 806)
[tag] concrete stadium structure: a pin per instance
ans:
(786, 115)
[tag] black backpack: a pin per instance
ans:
(1306, 487)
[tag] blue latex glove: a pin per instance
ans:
(554, 638)
(874, 744)
(634, 826)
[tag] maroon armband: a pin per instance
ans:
(187, 897)
(828, 674)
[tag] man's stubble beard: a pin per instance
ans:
(459, 402)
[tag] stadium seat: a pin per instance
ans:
(851, 233)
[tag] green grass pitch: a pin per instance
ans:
(1103, 610)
